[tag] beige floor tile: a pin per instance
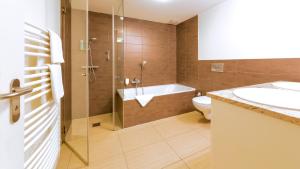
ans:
(115, 162)
(103, 118)
(180, 124)
(104, 146)
(154, 156)
(138, 136)
(106, 121)
(78, 127)
(177, 165)
(72, 135)
(80, 146)
(75, 162)
(153, 145)
(189, 143)
(98, 133)
(64, 158)
(76, 136)
(199, 160)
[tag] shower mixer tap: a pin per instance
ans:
(135, 81)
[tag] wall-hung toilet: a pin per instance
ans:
(203, 104)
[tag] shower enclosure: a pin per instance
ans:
(93, 71)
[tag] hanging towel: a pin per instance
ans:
(144, 99)
(56, 82)
(56, 48)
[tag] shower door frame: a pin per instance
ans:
(66, 106)
(115, 75)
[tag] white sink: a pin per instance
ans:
(287, 85)
(288, 99)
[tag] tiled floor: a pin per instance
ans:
(76, 136)
(180, 142)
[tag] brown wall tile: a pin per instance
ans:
(100, 90)
(160, 107)
(155, 43)
(144, 40)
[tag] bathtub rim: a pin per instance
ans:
(189, 89)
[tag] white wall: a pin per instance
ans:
(44, 13)
(250, 29)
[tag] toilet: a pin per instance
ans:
(203, 104)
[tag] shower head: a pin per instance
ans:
(143, 64)
(92, 39)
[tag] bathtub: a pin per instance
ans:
(160, 90)
(169, 100)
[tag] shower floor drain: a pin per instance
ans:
(96, 124)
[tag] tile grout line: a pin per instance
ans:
(162, 139)
(192, 129)
(122, 148)
(181, 159)
(165, 140)
(69, 159)
(155, 142)
(196, 153)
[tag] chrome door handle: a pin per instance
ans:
(15, 92)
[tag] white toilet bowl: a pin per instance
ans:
(203, 104)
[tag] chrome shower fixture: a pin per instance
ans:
(143, 64)
(92, 39)
(91, 69)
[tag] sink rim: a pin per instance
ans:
(277, 85)
(295, 108)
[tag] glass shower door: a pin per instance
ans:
(118, 62)
(76, 76)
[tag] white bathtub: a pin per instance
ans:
(130, 93)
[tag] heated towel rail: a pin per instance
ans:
(42, 114)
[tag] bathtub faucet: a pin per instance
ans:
(136, 82)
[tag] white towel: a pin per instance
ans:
(144, 99)
(56, 82)
(56, 48)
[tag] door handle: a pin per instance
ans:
(14, 96)
(16, 92)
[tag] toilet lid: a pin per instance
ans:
(202, 100)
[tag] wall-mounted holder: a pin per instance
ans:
(107, 53)
(82, 45)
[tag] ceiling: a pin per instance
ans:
(163, 11)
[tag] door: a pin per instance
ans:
(11, 67)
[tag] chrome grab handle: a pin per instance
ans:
(16, 92)
(14, 96)
(107, 55)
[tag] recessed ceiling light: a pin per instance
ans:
(163, 1)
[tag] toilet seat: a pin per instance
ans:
(202, 100)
